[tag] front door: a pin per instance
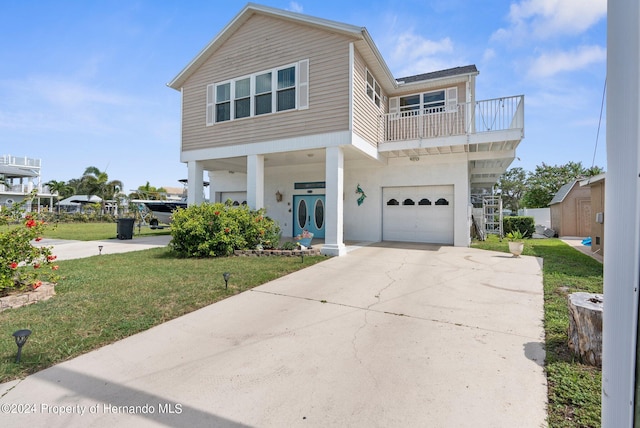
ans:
(308, 214)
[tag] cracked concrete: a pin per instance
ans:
(388, 335)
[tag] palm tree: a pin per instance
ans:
(97, 183)
(60, 188)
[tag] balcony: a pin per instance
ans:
(481, 122)
(23, 189)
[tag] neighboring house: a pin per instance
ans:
(302, 116)
(77, 203)
(596, 184)
(571, 210)
(21, 176)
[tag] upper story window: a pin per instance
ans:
(373, 89)
(269, 91)
(425, 103)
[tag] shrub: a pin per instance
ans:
(526, 225)
(211, 230)
(23, 265)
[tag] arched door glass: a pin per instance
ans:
(302, 213)
(319, 214)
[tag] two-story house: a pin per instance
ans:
(19, 177)
(301, 116)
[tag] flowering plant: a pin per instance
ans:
(23, 265)
(304, 235)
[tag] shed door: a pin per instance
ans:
(418, 214)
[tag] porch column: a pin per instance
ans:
(195, 187)
(255, 181)
(334, 179)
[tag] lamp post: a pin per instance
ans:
(21, 337)
(226, 276)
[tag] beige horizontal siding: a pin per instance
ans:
(263, 43)
(367, 121)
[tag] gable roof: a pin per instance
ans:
(363, 41)
(252, 9)
(450, 72)
(562, 193)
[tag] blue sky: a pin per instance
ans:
(84, 83)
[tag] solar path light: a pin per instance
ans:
(226, 276)
(21, 337)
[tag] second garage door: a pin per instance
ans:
(418, 214)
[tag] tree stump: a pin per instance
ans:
(585, 327)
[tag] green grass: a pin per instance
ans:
(95, 231)
(574, 388)
(102, 299)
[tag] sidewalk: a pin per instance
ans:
(576, 242)
(66, 249)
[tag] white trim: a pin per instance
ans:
(317, 141)
(212, 102)
(351, 83)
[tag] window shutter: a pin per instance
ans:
(211, 105)
(452, 99)
(303, 84)
(394, 105)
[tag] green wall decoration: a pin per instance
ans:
(361, 193)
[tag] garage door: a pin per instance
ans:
(418, 214)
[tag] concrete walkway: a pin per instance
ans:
(393, 335)
(66, 249)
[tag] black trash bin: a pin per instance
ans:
(125, 228)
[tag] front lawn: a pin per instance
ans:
(95, 231)
(574, 388)
(102, 299)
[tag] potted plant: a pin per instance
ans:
(516, 242)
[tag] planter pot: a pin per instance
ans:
(516, 248)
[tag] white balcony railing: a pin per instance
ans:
(25, 188)
(467, 118)
(20, 161)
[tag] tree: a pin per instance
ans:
(97, 183)
(149, 192)
(511, 187)
(61, 189)
(546, 180)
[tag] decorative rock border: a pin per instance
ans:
(281, 253)
(23, 298)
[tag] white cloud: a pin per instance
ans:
(414, 54)
(549, 64)
(52, 103)
(546, 19)
(295, 7)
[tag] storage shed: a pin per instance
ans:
(571, 210)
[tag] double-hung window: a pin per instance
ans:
(373, 89)
(242, 98)
(223, 102)
(270, 91)
(263, 95)
(286, 89)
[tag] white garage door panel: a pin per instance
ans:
(418, 223)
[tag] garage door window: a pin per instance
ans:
(408, 202)
(393, 202)
(424, 201)
(442, 201)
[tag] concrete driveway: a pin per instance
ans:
(390, 335)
